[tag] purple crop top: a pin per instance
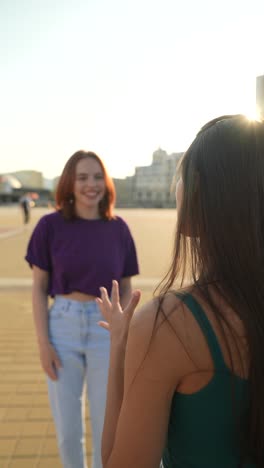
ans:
(82, 255)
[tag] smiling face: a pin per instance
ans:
(89, 187)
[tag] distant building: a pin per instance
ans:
(55, 182)
(16, 184)
(30, 178)
(149, 187)
(260, 96)
(124, 192)
(8, 184)
(48, 183)
(152, 184)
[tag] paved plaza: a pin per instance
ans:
(27, 438)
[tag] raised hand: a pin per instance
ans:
(116, 320)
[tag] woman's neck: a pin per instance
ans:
(87, 213)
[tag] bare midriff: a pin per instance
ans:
(78, 296)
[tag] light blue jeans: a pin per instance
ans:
(83, 348)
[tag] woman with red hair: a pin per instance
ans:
(73, 251)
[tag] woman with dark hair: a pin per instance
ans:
(186, 379)
(72, 252)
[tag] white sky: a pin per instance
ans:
(120, 77)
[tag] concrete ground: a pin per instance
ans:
(27, 438)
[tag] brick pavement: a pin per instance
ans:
(27, 438)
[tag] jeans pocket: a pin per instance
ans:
(56, 312)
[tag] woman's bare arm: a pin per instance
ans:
(48, 357)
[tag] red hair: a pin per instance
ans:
(64, 191)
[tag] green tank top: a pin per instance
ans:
(204, 427)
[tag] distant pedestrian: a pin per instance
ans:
(25, 203)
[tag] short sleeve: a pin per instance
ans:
(38, 250)
(130, 258)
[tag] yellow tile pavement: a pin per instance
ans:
(27, 436)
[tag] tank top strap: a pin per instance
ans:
(207, 329)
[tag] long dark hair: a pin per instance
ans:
(64, 192)
(222, 213)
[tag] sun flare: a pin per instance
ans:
(253, 115)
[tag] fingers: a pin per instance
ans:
(57, 362)
(51, 372)
(114, 295)
(135, 298)
(115, 292)
(51, 363)
(106, 305)
(103, 303)
(104, 296)
(116, 320)
(103, 324)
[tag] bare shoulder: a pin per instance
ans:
(168, 313)
(158, 332)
